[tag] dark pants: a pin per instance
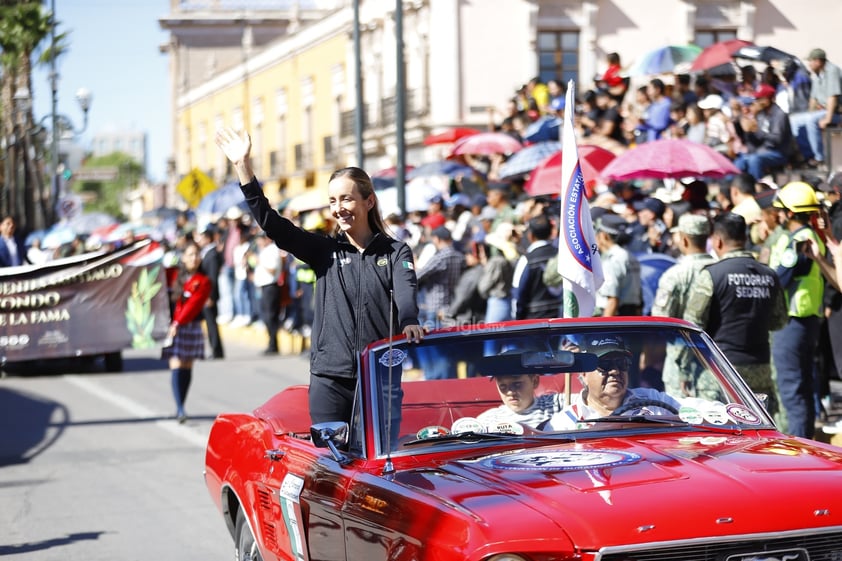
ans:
(270, 306)
(793, 352)
(331, 398)
(209, 314)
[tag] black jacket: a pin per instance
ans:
(352, 288)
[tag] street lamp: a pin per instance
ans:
(61, 124)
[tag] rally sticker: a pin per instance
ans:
(291, 487)
(431, 432)
(505, 428)
(690, 415)
(467, 424)
(716, 415)
(562, 460)
(742, 414)
(393, 357)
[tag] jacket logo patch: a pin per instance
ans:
(382, 262)
(408, 265)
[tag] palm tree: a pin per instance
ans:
(23, 27)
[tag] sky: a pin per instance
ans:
(113, 52)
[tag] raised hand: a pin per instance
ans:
(235, 146)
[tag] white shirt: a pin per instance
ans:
(268, 266)
(541, 410)
(573, 416)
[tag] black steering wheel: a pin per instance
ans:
(637, 403)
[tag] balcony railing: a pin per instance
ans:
(385, 116)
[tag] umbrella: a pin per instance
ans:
(762, 54)
(417, 197)
(127, 229)
(87, 222)
(311, 199)
(669, 157)
(441, 167)
(546, 178)
(528, 159)
(220, 200)
(487, 143)
(664, 59)
(58, 235)
(450, 136)
(652, 266)
(718, 54)
(545, 128)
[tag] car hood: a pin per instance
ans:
(645, 489)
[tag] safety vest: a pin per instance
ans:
(804, 294)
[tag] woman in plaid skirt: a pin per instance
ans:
(190, 292)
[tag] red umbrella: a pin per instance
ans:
(669, 158)
(450, 135)
(546, 178)
(486, 143)
(390, 173)
(717, 54)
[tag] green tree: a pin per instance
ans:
(24, 25)
(108, 196)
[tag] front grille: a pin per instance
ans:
(821, 546)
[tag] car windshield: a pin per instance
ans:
(548, 380)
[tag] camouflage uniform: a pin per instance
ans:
(757, 376)
(671, 301)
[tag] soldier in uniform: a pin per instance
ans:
(738, 301)
(674, 285)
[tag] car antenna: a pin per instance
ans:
(389, 467)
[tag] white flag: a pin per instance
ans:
(578, 257)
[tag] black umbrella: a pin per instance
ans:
(763, 54)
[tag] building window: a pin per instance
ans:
(707, 37)
(558, 55)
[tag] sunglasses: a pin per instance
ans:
(615, 363)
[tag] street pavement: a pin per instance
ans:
(93, 465)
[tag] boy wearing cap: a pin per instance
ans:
(824, 107)
(605, 390)
(766, 134)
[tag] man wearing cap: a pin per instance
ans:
(738, 301)
(649, 233)
(674, 285)
(766, 133)
(824, 107)
(621, 293)
(606, 389)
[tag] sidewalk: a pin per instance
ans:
(255, 336)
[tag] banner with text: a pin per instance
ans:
(84, 305)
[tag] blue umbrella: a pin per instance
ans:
(652, 266)
(220, 200)
(441, 167)
(664, 60)
(545, 128)
(58, 235)
(529, 158)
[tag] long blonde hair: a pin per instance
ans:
(365, 187)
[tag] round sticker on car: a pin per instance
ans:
(466, 424)
(562, 460)
(393, 357)
(431, 432)
(742, 414)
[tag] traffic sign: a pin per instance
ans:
(194, 186)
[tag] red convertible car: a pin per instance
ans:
(639, 443)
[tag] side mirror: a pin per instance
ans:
(331, 435)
